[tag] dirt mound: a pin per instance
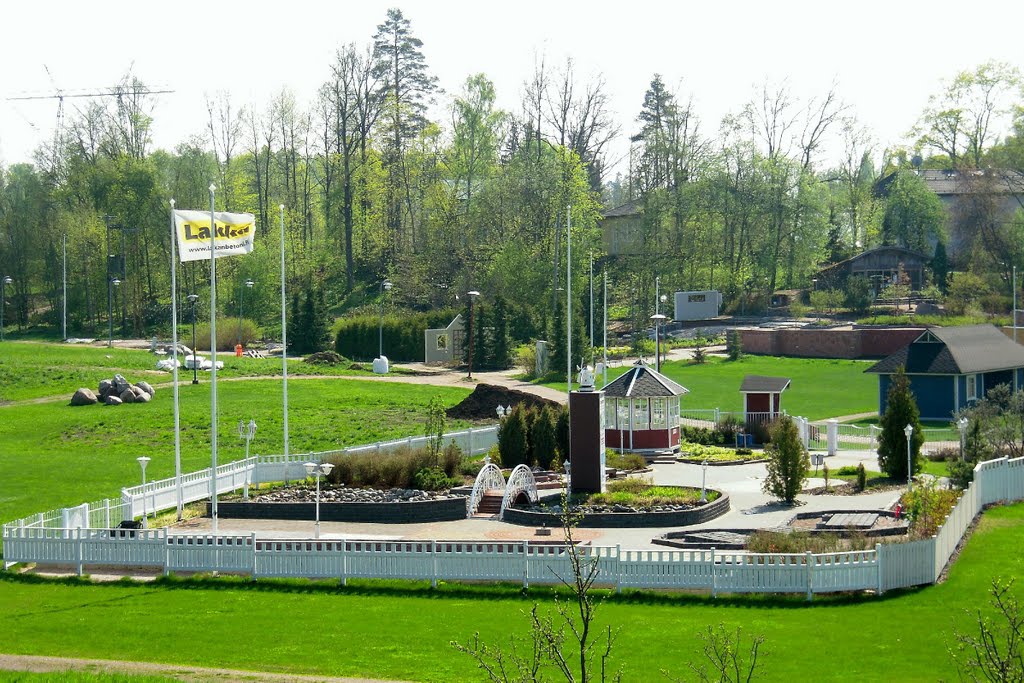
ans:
(483, 402)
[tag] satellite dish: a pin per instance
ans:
(916, 161)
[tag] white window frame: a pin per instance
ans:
(972, 387)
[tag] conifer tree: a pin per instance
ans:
(512, 437)
(900, 410)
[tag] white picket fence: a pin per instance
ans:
(71, 537)
(162, 494)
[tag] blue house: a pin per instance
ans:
(950, 368)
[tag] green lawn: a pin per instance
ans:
(821, 388)
(54, 455)
(402, 631)
(34, 370)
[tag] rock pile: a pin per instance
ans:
(114, 392)
(303, 494)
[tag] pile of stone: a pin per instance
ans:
(114, 392)
(304, 494)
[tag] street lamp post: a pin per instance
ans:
(241, 299)
(814, 288)
(909, 431)
(4, 281)
(246, 431)
(704, 482)
(314, 469)
(472, 295)
(961, 424)
(192, 299)
(143, 461)
(657, 318)
(568, 481)
(111, 283)
(385, 286)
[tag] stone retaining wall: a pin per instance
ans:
(444, 510)
(623, 520)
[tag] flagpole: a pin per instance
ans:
(284, 342)
(213, 357)
(64, 277)
(174, 362)
(605, 328)
(568, 297)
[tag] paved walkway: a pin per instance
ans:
(750, 509)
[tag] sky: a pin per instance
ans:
(885, 58)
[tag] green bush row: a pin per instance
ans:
(359, 337)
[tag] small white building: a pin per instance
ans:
(697, 305)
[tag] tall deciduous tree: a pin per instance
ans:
(913, 214)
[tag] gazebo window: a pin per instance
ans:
(640, 417)
(657, 413)
(609, 414)
(622, 410)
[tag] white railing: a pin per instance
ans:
(489, 478)
(520, 481)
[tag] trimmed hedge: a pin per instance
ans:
(358, 337)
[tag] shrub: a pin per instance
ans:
(700, 351)
(862, 477)
(526, 359)
(227, 333)
(788, 462)
(391, 469)
(801, 541)
(727, 428)
(624, 461)
(927, 507)
(961, 472)
(943, 454)
(761, 431)
(702, 435)
(433, 479)
(562, 433)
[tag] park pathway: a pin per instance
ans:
(194, 674)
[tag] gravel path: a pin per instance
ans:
(37, 664)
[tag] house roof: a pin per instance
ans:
(641, 381)
(762, 384)
(900, 251)
(954, 351)
(951, 182)
(631, 208)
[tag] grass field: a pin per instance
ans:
(34, 370)
(54, 455)
(402, 631)
(821, 388)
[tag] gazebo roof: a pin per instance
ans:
(761, 384)
(641, 381)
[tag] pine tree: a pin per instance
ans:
(788, 463)
(542, 438)
(512, 437)
(556, 340)
(562, 433)
(900, 411)
(296, 340)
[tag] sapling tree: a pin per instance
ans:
(788, 462)
(566, 639)
(435, 426)
(995, 652)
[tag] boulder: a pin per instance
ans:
(120, 384)
(127, 396)
(146, 388)
(83, 397)
(143, 397)
(106, 386)
(113, 401)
